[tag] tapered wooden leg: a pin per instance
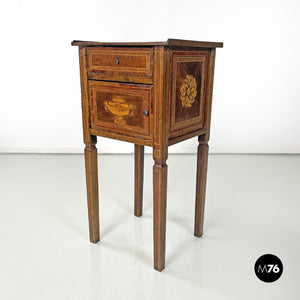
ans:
(138, 179)
(202, 156)
(91, 170)
(161, 114)
(160, 170)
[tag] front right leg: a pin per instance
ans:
(160, 170)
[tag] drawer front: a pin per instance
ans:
(121, 108)
(123, 61)
(188, 94)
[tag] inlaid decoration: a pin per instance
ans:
(188, 91)
(119, 108)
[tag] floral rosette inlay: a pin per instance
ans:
(188, 91)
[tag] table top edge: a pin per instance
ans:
(168, 43)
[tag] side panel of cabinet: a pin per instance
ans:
(189, 70)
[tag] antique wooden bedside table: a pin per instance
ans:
(154, 94)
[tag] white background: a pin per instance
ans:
(256, 91)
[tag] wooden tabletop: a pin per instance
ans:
(168, 43)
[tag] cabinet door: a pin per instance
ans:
(121, 108)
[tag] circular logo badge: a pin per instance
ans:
(268, 268)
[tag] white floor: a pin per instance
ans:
(252, 208)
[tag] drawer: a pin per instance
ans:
(120, 61)
(121, 108)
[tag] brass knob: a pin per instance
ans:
(146, 113)
(117, 61)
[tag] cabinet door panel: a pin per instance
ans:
(121, 108)
(188, 94)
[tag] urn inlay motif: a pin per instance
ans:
(119, 108)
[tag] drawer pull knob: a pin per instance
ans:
(117, 61)
(146, 113)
